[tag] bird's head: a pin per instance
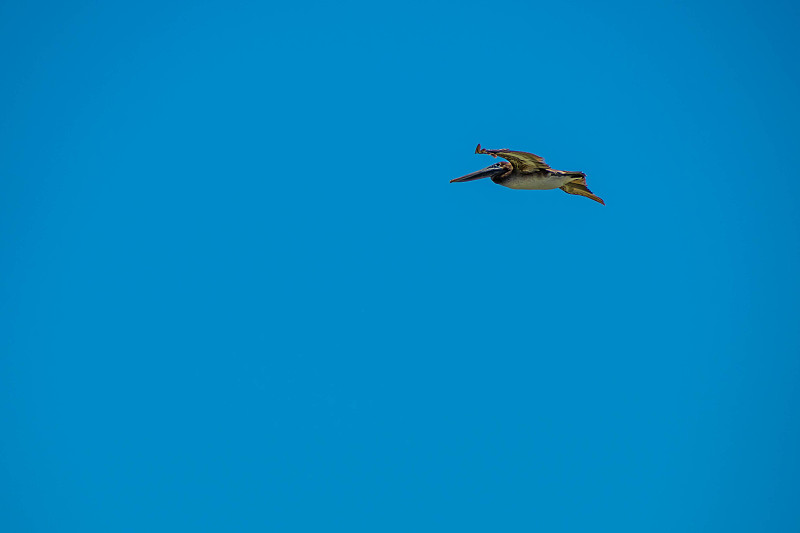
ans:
(498, 170)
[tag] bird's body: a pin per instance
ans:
(541, 180)
(523, 170)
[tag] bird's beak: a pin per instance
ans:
(487, 172)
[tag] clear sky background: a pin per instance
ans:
(238, 293)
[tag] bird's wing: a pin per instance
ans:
(522, 161)
(579, 187)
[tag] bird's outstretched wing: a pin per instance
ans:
(579, 187)
(522, 161)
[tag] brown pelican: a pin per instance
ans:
(529, 171)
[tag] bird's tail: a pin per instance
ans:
(578, 186)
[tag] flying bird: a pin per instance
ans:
(522, 170)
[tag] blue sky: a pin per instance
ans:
(238, 292)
